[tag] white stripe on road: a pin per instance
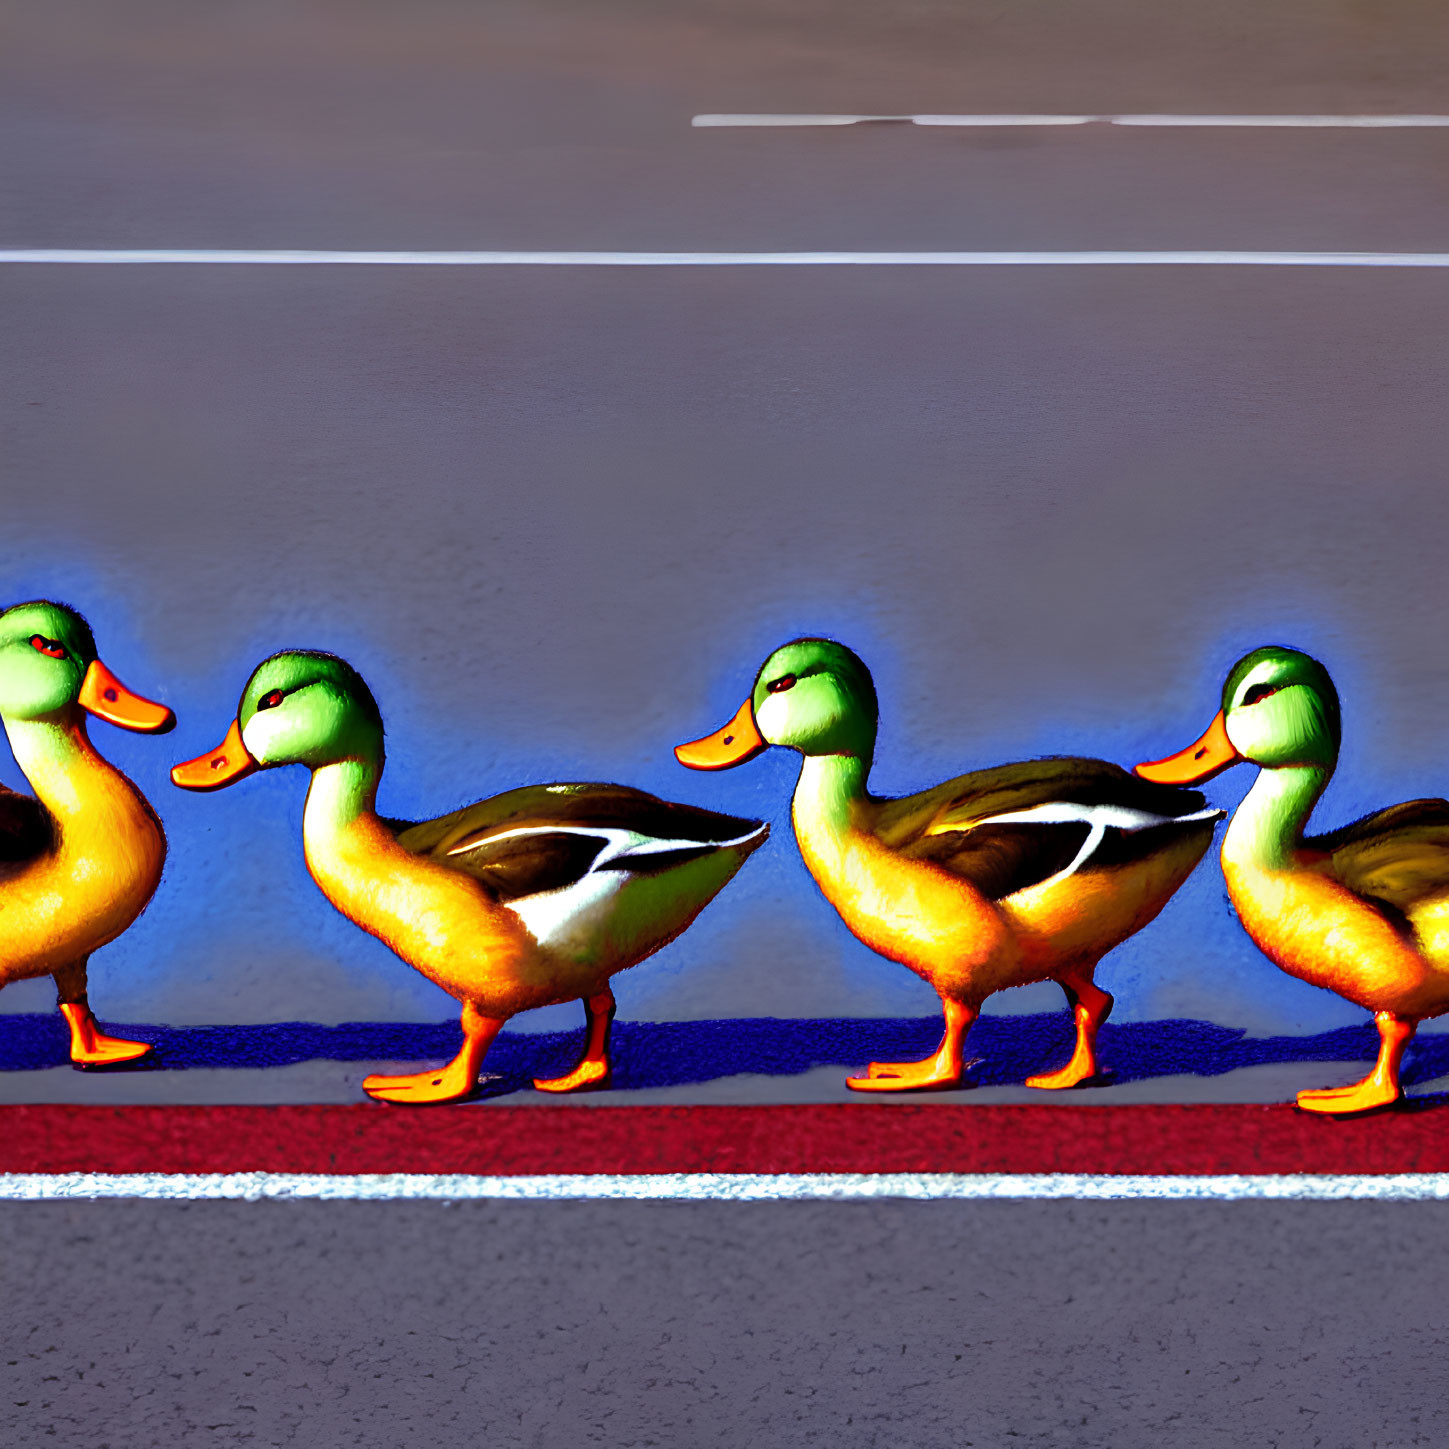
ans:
(1307, 122)
(51, 256)
(723, 1187)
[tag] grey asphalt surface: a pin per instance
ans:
(864, 1326)
(565, 123)
(1153, 461)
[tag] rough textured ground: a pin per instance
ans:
(1071, 1325)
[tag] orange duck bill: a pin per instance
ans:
(1201, 760)
(736, 742)
(104, 696)
(230, 760)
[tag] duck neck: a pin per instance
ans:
(63, 767)
(1268, 826)
(340, 801)
(826, 794)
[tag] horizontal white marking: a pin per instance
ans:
(161, 257)
(1367, 123)
(723, 1187)
(1308, 122)
(795, 120)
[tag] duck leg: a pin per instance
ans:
(593, 1067)
(443, 1084)
(1090, 1007)
(89, 1046)
(939, 1071)
(1381, 1087)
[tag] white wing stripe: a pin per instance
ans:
(621, 843)
(1100, 818)
(550, 915)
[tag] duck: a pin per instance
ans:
(1362, 911)
(1024, 872)
(82, 857)
(534, 897)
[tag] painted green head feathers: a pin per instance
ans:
(300, 707)
(45, 650)
(306, 707)
(48, 667)
(816, 696)
(811, 695)
(1280, 709)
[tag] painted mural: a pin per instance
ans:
(1023, 873)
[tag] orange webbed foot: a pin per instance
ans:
(592, 1072)
(938, 1073)
(1091, 1006)
(1380, 1089)
(1074, 1074)
(91, 1048)
(1365, 1096)
(111, 1051)
(443, 1084)
(587, 1076)
(933, 1074)
(452, 1083)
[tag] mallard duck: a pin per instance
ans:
(1027, 872)
(1362, 911)
(533, 897)
(80, 860)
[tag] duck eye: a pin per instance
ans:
(51, 648)
(1260, 691)
(271, 699)
(780, 685)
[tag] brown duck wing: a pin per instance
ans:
(525, 865)
(26, 831)
(1081, 813)
(1399, 856)
(544, 837)
(1000, 860)
(962, 803)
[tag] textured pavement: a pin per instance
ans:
(863, 1326)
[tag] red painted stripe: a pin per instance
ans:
(900, 1138)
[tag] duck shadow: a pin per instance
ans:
(680, 1053)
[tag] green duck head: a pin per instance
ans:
(812, 695)
(1279, 709)
(300, 707)
(49, 668)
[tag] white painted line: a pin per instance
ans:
(1363, 123)
(1306, 122)
(1002, 120)
(59, 256)
(723, 1187)
(994, 121)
